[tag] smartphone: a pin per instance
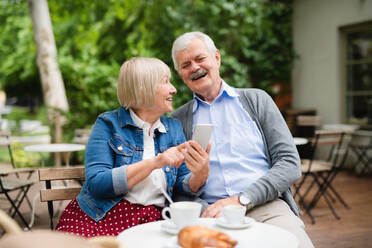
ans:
(202, 134)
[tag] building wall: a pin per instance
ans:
(316, 78)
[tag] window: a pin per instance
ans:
(358, 74)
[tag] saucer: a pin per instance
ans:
(221, 221)
(168, 227)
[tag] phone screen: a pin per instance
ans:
(202, 134)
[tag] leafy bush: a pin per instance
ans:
(23, 158)
(94, 38)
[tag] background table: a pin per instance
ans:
(257, 235)
(56, 148)
(300, 141)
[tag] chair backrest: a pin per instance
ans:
(307, 124)
(308, 120)
(305, 127)
(53, 174)
(332, 139)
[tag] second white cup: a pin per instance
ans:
(184, 213)
(234, 214)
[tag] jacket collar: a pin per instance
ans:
(142, 124)
(125, 119)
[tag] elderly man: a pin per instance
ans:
(253, 160)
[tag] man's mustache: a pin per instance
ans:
(198, 74)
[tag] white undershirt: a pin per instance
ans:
(148, 191)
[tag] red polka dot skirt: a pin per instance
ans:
(122, 216)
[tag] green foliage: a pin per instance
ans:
(18, 69)
(23, 158)
(4, 154)
(94, 38)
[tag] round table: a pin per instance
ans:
(256, 235)
(57, 148)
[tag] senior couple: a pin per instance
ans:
(135, 152)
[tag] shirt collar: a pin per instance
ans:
(144, 125)
(226, 90)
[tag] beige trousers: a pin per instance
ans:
(279, 214)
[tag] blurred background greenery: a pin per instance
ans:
(95, 37)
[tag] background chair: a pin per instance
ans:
(307, 124)
(5, 136)
(305, 127)
(57, 194)
(9, 184)
(322, 171)
(361, 145)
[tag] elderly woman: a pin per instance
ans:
(134, 154)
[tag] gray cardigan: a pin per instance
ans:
(285, 165)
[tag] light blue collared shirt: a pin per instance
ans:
(238, 155)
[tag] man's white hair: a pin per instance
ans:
(185, 39)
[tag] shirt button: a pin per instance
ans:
(167, 169)
(120, 148)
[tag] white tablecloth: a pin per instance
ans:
(256, 235)
(55, 148)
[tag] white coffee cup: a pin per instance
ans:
(184, 213)
(234, 214)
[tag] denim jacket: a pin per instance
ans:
(116, 142)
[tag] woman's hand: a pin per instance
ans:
(138, 171)
(173, 156)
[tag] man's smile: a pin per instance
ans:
(198, 74)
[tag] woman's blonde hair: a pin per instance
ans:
(138, 79)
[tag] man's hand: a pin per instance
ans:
(214, 210)
(197, 159)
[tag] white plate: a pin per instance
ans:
(221, 221)
(172, 243)
(168, 227)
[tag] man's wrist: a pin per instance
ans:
(245, 201)
(196, 182)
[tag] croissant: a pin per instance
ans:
(201, 236)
